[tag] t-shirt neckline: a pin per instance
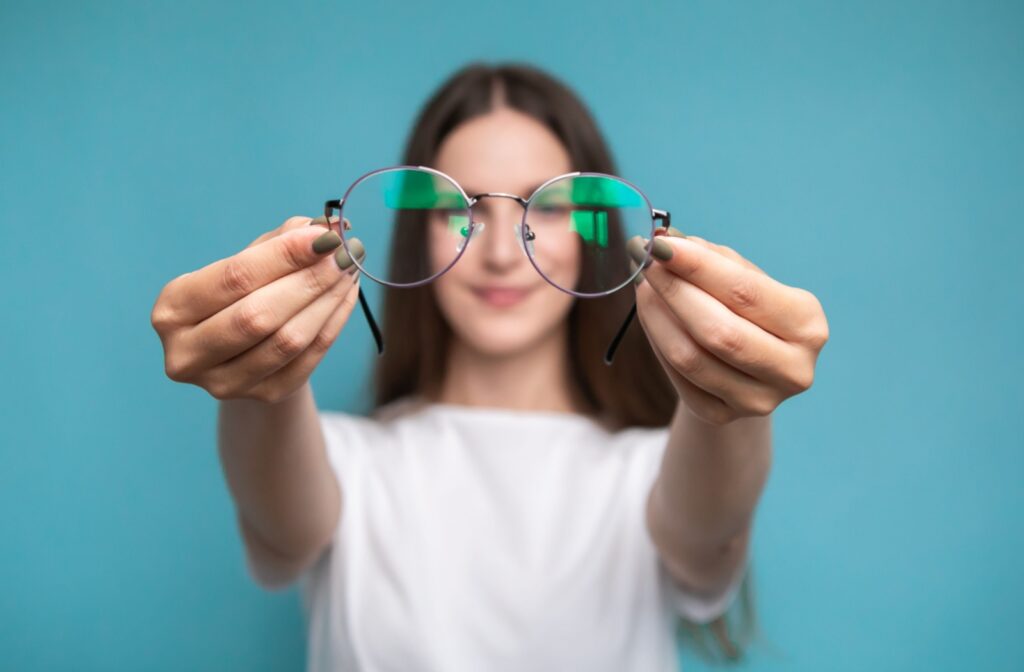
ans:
(447, 408)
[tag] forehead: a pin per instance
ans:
(503, 150)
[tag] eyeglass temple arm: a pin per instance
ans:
(666, 221)
(330, 207)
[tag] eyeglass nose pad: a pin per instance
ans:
(478, 228)
(530, 235)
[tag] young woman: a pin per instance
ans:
(513, 503)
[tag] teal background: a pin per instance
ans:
(869, 152)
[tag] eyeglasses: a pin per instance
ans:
(416, 222)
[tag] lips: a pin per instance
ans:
(501, 297)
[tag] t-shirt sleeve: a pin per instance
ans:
(344, 439)
(696, 608)
(340, 441)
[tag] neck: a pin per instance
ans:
(536, 378)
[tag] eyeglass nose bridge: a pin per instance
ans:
(497, 194)
(520, 229)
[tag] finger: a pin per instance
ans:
(734, 339)
(777, 308)
(299, 369)
(745, 394)
(703, 403)
(257, 316)
(305, 330)
(193, 297)
(294, 223)
(289, 224)
(726, 251)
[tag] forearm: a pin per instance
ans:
(276, 469)
(703, 500)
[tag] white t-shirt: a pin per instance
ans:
(477, 539)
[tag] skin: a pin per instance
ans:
(730, 369)
(515, 356)
(735, 343)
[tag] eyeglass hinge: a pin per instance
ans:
(664, 217)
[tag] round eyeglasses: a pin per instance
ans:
(416, 222)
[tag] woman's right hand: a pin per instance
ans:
(254, 325)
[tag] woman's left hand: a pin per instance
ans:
(734, 341)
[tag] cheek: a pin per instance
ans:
(449, 289)
(443, 240)
(560, 258)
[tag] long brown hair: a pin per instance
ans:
(634, 390)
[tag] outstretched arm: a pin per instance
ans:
(735, 343)
(701, 505)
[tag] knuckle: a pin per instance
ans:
(265, 393)
(162, 317)
(744, 293)
(815, 332)
(295, 252)
(288, 342)
(219, 389)
(349, 298)
(685, 358)
(761, 405)
(687, 265)
(719, 414)
(672, 288)
(175, 369)
(172, 286)
(724, 339)
(322, 342)
(253, 320)
(237, 278)
(801, 378)
(316, 282)
(817, 336)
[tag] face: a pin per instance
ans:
(494, 299)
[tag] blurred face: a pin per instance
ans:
(494, 299)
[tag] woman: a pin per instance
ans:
(513, 503)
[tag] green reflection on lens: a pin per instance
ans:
(591, 191)
(417, 189)
(591, 225)
(458, 225)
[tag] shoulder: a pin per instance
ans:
(643, 438)
(351, 430)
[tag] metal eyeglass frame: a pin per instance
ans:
(525, 236)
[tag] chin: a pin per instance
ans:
(498, 343)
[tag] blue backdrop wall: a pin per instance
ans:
(869, 152)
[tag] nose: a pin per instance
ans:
(500, 247)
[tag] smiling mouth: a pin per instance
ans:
(501, 297)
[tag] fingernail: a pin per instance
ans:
(661, 250)
(341, 256)
(637, 249)
(326, 242)
(323, 221)
(673, 231)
